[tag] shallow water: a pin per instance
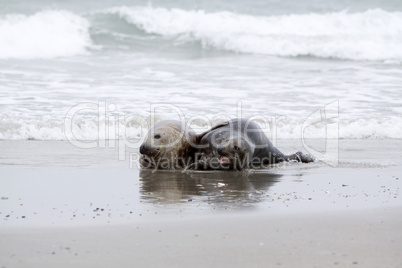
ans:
(56, 184)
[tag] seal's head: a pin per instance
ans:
(166, 146)
(236, 153)
(224, 150)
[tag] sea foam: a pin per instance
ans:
(370, 35)
(46, 34)
(88, 129)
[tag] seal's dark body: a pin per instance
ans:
(244, 143)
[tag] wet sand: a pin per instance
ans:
(63, 206)
(361, 238)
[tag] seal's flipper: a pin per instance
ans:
(300, 157)
(306, 158)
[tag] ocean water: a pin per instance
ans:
(102, 69)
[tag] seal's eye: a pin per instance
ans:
(236, 148)
(157, 136)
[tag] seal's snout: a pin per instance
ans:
(223, 151)
(220, 150)
(144, 149)
(148, 150)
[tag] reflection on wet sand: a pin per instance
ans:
(228, 187)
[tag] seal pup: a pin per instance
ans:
(239, 144)
(168, 145)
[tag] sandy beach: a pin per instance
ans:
(62, 206)
(358, 238)
(83, 82)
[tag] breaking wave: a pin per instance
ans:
(89, 129)
(46, 34)
(373, 35)
(370, 35)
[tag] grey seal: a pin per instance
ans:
(168, 145)
(239, 144)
